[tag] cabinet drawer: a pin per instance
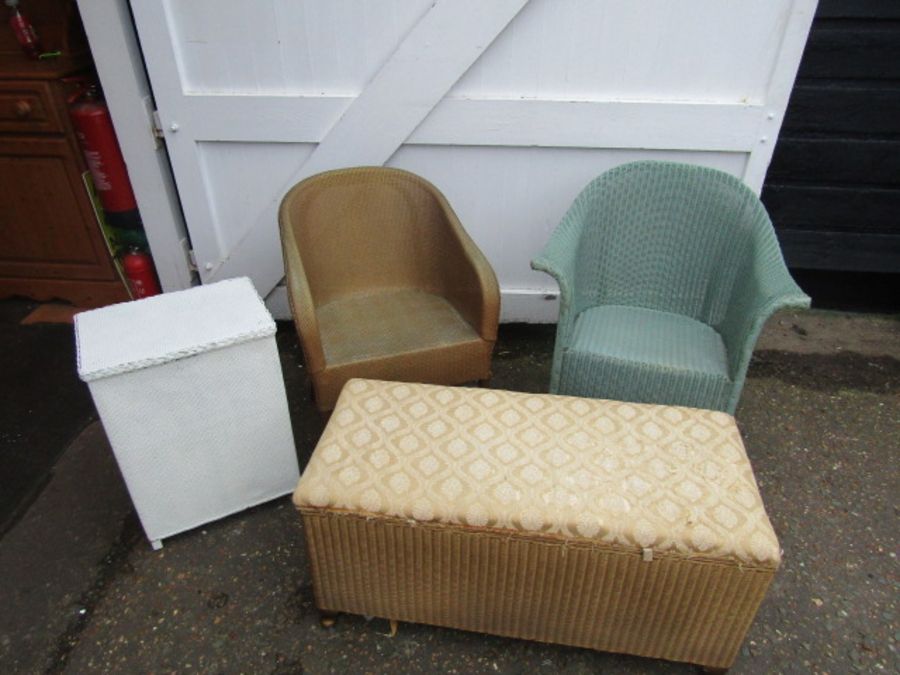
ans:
(28, 107)
(48, 229)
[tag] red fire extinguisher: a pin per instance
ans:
(95, 133)
(141, 276)
(24, 30)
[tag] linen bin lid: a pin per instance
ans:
(163, 328)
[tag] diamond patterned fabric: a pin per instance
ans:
(659, 477)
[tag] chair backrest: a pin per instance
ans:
(363, 229)
(664, 236)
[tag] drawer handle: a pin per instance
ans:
(23, 109)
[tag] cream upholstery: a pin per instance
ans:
(664, 478)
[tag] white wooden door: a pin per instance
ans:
(508, 106)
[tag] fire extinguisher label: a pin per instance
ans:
(95, 164)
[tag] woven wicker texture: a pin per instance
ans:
(694, 247)
(133, 335)
(615, 526)
(537, 589)
(637, 476)
(199, 421)
(384, 282)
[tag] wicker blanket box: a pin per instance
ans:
(620, 527)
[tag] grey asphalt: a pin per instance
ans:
(81, 591)
(46, 408)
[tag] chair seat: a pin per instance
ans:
(650, 336)
(389, 322)
(644, 355)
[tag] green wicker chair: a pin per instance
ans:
(667, 273)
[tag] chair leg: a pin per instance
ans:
(324, 415)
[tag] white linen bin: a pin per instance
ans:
(189, 388)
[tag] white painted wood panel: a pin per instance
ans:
(287, 47)
(245, 182)
(509, 106)
(317, 47)
(640, 50)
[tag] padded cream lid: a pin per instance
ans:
(654, 477)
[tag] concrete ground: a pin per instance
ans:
(81, 590)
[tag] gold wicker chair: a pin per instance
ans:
(384, 282)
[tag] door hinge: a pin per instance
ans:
(189, 254)
(155, 122)
(157, 125)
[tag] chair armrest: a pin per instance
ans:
(558, 259)
(468, 281)
(762, 288)
(301, 301)
(560, 254)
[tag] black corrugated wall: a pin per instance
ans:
(833, 188)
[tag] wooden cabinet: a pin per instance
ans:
(50, 243)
